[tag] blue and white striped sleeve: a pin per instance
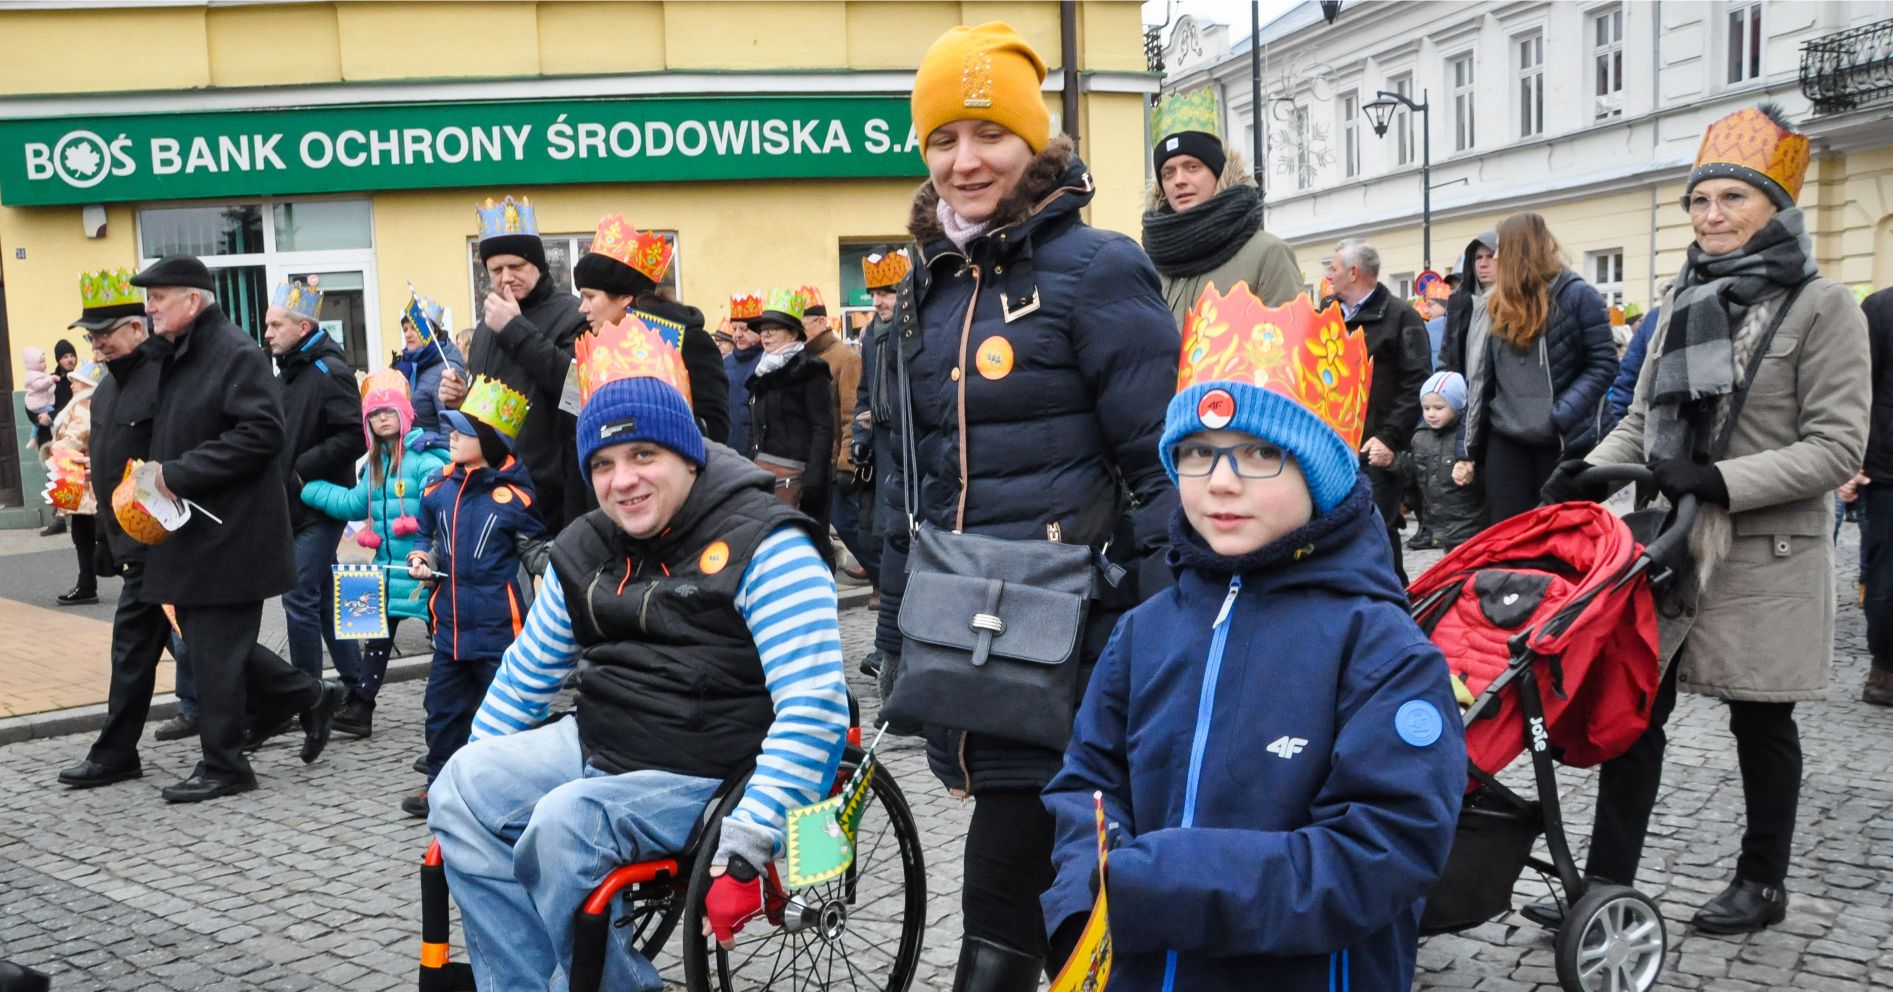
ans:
(787, 597)
(531, 669)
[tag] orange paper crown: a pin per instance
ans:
(1309, 357)
(644, 251)
(745, 307)
(628, 349)
(1750, 139)
(811, 297)
(885, 271)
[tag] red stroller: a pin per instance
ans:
(1550, 622)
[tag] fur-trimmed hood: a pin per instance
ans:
(1056, 169)
(1235, 173)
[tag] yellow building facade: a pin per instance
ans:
(351, 140)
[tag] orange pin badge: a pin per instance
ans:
(994, 357)
(714, 558)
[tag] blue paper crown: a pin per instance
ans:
(508, 216)
(300, 298)
(426, 315)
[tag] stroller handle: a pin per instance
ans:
(1664, 549)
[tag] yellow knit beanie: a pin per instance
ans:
(985, 73)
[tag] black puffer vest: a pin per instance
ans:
(671, 679)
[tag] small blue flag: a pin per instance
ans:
(361, 602)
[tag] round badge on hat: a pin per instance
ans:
(1216, 409)
(1418, 722)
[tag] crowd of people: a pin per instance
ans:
(590, 496)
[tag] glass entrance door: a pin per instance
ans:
(347, 313)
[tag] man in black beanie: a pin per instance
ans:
(525, 340)
(1204, 225)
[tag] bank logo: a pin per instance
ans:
(81, 159)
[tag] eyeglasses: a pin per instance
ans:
(1727, 202)
(94, 337)
(1250, 460)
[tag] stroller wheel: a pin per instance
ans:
(1612, 940)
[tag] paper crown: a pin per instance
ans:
(1309, 357)
(427, 316)
(1192, 111)
(628, 349)
(496, 405)
(645, 252)
(1326, 290)
(108, 289)
(810, 297)
(300, 298)
(745, 307)
(65, 480)
(130, 512)
(384, 381)
(1751, 144)
(783, 300)
(508, 216)
(884, 271)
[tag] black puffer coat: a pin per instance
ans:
(533, 354)
(792, 416)
(1582, 360)
(1057, 336)
(322, 420)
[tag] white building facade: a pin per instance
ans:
(1587, 112)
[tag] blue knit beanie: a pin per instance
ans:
(1326, 461)
(1451, 387)
(638, 409)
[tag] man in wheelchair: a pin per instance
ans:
(705, 618)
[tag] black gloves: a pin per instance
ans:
(862, 454)
(1563, 486)
(1677, 478)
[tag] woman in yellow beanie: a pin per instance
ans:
(1040, 358)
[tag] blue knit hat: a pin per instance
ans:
(638, 409)
(1326, 461)
(1451, 387)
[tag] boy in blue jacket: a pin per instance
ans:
(1275, 741)
(470, 520)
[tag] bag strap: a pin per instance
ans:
(1740, 397)
(909, 481)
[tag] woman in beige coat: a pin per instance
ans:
(1755, 624)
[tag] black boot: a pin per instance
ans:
(20, 978)
(357, 718)
(989, 967)
(1744, 907)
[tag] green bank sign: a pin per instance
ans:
(48, 161)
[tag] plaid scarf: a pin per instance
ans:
(1695, 366)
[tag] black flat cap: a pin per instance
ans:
(175, 270)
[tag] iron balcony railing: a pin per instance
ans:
(1849, 69)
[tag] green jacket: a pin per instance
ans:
(1266, 263)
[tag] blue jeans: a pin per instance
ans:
(309, 608)
(845, 513)
(527, 829)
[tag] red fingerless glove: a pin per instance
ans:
(732, 903)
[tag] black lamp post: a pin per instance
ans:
(1381, 112)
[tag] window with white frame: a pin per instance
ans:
(1403, 122)
(1531, 85)
(1745, 42)
(562, 253)
(1350, 134)
(1459, 72)
(1606, 269)
(1402, 285)
(1607, 61)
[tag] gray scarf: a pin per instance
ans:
(1203, 237)
(1695, 364)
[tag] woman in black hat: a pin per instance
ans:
(792, 409)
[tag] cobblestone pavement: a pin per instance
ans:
(309, 883)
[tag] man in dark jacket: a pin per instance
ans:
(525, 340)
(323, 438)
(1875, 483)
(738, 366)
(217, 436)
(874, 439)
(1396, 338)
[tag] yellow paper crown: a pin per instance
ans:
(385, 381)
(885, 271)
(645, 252)
(745, 307)
(1750, 139)
(785, 301)
(628, 349)
(106, 288)
(496, 405)
(1309, 357)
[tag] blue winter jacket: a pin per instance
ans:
(423, 366)
(398, 496)
(1581, 358)
(739, 365)
(1624, 387)
(1279, 748)
(469, 522)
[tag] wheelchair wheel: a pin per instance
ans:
(859, 932)
(1612, 940)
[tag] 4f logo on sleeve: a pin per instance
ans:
(1286, 747)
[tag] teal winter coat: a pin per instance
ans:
(392, 510)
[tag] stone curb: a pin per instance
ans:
(86, 719)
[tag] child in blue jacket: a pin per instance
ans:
(388, 497)
(1276, 742)
(470, 522)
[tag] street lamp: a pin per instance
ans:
(1381, 112)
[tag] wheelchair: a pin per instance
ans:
(860, 931)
